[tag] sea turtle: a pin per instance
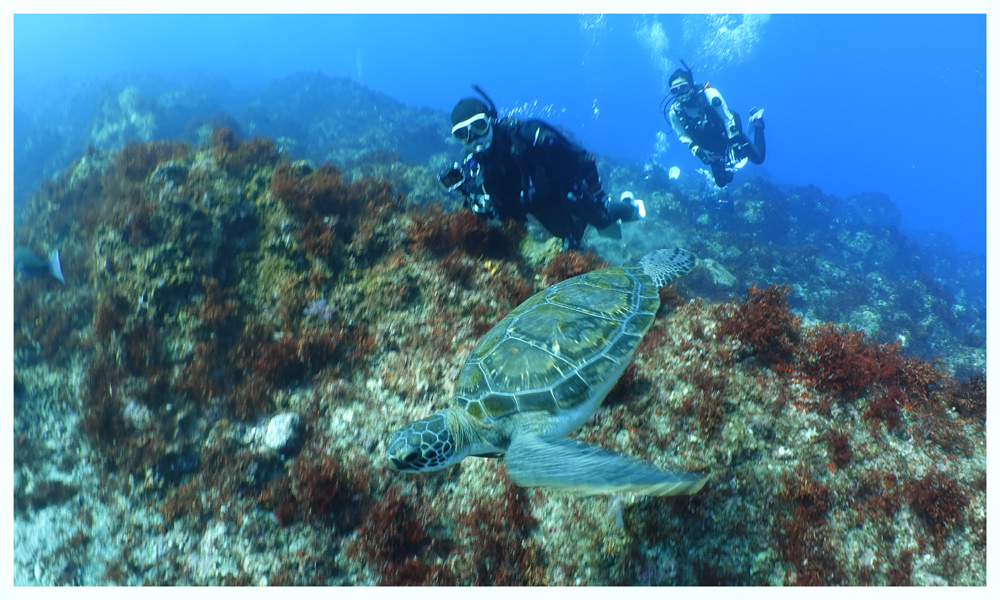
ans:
(540, 373)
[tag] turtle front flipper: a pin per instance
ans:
(533, 461)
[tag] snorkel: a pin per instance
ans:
(493, 107)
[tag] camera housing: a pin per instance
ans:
(452, 178)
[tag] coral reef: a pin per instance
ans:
(220, 285)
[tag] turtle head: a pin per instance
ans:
(424, 445)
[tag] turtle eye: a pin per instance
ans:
(411, 458)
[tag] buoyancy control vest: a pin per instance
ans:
(706, 128)
(536, 169)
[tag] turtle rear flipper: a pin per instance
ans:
(533, 461)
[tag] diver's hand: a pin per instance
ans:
(705, 156)
(702, 154)
(481, 204)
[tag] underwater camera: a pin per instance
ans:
(467, 178)
(452, 178)
(459, 174)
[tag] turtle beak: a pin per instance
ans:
(405, 464)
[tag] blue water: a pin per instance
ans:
(885, 103)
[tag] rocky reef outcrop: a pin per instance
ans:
(252, 306)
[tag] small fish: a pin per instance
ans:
(30, 264)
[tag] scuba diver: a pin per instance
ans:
(712, 132)
(515, 167)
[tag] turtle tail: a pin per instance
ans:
(534, 461)
(663, 266)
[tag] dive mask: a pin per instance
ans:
(474, 127)
(680, 89)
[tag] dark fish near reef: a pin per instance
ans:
(30, 264)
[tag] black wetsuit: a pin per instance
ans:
(532, 168)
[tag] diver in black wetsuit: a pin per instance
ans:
(712, 132)
(516, 167)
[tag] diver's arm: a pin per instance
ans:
(718, 103)
(683, 136)
(681, 131)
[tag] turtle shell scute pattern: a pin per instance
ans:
(548, 353)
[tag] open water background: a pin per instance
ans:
(853, 103)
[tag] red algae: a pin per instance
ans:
(222, 287)
(497, 529)
(435, 230)
(570, 263)
(764, 323)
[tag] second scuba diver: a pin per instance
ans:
(515, 167)
(712, 132)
